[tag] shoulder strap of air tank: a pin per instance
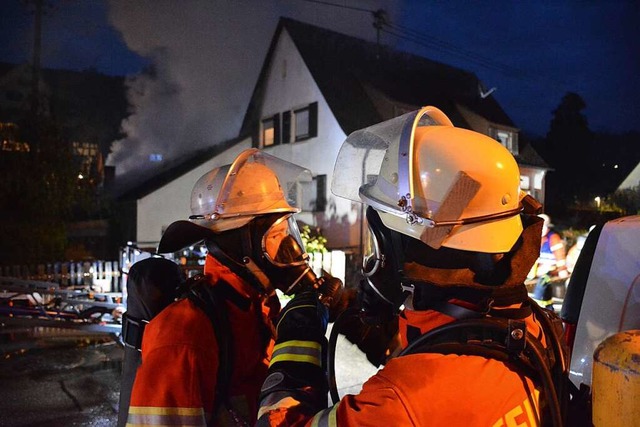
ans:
(557, 352)
(501, 339)
(212, 302)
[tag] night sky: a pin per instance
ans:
(208, 54)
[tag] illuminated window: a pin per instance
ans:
(537, 180)
(524, 183)
(270, 134)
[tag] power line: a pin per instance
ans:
(451, 48)
(326, 3)
(382, 24)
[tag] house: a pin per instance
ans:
(316, 87)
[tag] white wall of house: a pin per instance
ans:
(173, 201)
(632, 180)
(290, 86)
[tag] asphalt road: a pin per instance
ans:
(60, 377)
(57, 376)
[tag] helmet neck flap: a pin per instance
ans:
(435, 276)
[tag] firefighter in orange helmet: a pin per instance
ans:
(242, 214)
(449, 242)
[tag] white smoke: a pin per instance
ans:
(206, 57)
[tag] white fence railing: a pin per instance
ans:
(101, 276)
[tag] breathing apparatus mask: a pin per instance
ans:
(380, 294)
(279, 252)
(243, 213)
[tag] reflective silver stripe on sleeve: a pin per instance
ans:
(327, 417)
(156, 416)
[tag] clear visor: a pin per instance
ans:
(376, 161)
(255, 183)
(282, 243)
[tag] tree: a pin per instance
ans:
(567, 148)
(38, 194)
(627, 200)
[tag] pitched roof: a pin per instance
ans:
(135, 187)
(346, 69)
(529, 156)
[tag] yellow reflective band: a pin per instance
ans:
(326, 418)
(298, 343)
(297, 351)
(296, 358)
(287, 402)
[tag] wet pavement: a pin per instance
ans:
(54, 376)
(61, 377)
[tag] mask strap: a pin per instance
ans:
(259, 275)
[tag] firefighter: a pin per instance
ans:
(551, 264)
(552, 260)
(449, 242)
(201, 370)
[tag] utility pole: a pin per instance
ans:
(379, 21)
(35, 63)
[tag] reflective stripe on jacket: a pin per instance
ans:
(176, 382)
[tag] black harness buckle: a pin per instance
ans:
(132, 331)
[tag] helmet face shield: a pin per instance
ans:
(443, 185)
(230, 196)
(369, 159)
(256, 183)
(282, 244)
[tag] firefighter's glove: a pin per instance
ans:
(303, 318)
(335, 296)
(377, 341)
(297, 367)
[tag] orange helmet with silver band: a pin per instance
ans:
(432, 181)
(242, 212)
(230, 196)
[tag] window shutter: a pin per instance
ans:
(286, 127)
(276, 129)
(321, 193)
(313, 120)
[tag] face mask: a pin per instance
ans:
(380, 294)
(283, 257)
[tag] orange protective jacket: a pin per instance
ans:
(176, 381)
(426, 389)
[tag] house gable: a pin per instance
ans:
(290, 91)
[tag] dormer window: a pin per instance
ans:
(507, 138)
